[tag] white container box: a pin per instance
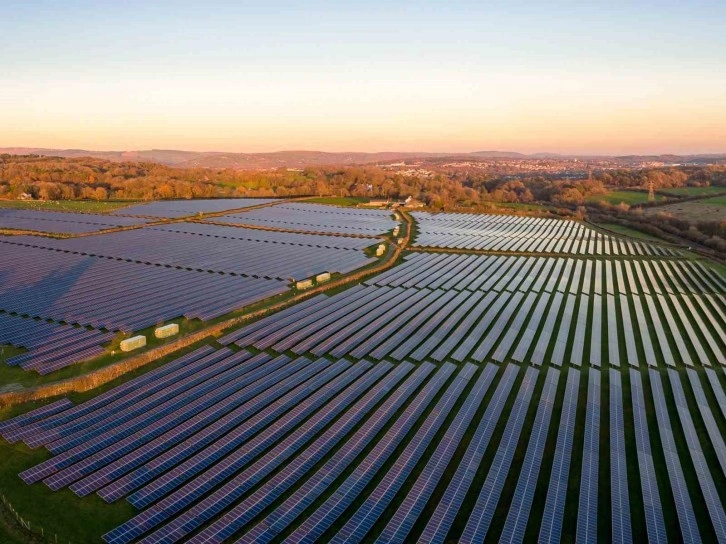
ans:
(135, 342)
(304, 284)
(167, 330)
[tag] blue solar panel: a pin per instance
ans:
(62, 222)
(516, 522)
(654, 521)
(85, 290)
(201, 450)
(363, 519)
(303, 216)
(587, 508)
(118, 399)
(443, 517)
(482, 514)
(717, 390)
(182, 208)
(705, 480)
(551, 529)
(684, 508)
(190, 383)
(412, 505)
(68, 466)
(710, 422)
(317, 373)
(296, 467)
(31, 417)
(619, 499)
(294, 505)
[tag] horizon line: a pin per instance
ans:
(378, 152)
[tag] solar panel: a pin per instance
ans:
(443, 516)
(86, 290)
(654, 520)
(619, 499)
(578, 343)
(481, 516)
(318, 482)
(62, 222)
(518, 515)
(182, 208)
(717, 390)
(551, 529)
(361, 522)
(684, 508)
(303, 216)
(705, 480)
(288, 391)
(710, 422)
(284, 451)
(587, 506)
(411, 507)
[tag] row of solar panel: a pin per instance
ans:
(170, 209)
(524, 234)
(50, 346)
(198, 253)
(538, 325)
(472, 272)
(336, 444)
(117, 295)
(62, 222)
(316, 218)
(258, 235)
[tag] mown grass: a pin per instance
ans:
(718, 200)
(693, 191)
(630, 233)
(62, 513)
(627, 197)
(88, 206)
(339, 200)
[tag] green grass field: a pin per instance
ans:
(693, 191)
(628, 197)
(631, 233)
(718, 200)
(522, 206)
(88, 206)
(339, 200)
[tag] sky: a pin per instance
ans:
(569, 77)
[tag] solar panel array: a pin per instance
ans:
(117, 295)
(49, 346)
(129, 280)
(524, 234)
(478, 308)
(258, 235)
(222, 445)
(316, 218)
(62, 222)
(297, 258)
(413, 408)
(182, 208)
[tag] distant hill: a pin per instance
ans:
(302, 158)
